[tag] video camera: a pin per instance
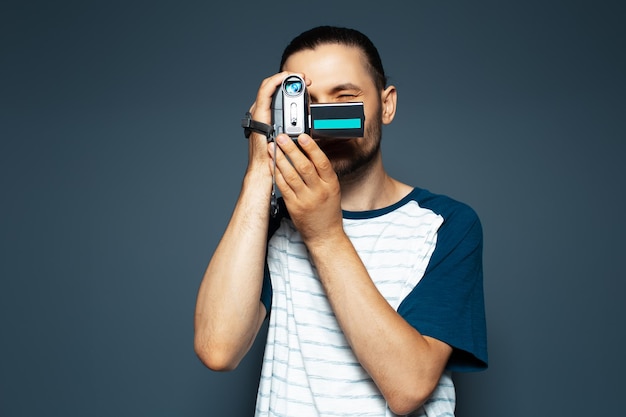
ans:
(293, 114)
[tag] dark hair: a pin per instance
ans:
(350, 37)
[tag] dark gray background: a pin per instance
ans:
(122, 156)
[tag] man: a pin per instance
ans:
(373, 288)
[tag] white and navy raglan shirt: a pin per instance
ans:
(424, 255)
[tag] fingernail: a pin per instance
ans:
(282, 139)
(303, 139)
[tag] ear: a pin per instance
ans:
(389, 100)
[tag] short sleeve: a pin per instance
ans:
(448, 302)
(266, 290)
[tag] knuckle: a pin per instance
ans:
(306, 168)
(324, 164)
(291, 177)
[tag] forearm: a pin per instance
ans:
(228, 309)
(405, 365)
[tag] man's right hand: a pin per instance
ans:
(261, 111)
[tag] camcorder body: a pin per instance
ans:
(293, 114)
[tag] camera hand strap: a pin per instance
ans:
(250, 126)
(273, 198)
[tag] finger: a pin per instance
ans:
(304, 167)
(290, 180)
(319, 159)
(261, 108)
(285, 189)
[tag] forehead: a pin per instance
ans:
(329, 65)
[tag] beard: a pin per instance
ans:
(351, 157)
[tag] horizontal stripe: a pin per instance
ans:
(308, 367)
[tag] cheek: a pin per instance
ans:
(373, 113)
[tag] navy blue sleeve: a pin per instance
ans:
(266, 291)
(448, 302)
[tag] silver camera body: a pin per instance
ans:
(290, 108)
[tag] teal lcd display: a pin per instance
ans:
(336, 124)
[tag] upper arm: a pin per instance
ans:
(448, 304)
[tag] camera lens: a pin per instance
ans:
(293, 86)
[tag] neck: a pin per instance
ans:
(371, 188)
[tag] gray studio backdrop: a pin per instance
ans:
(121, 157)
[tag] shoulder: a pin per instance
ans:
(450, 209)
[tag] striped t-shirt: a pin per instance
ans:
(424, 255)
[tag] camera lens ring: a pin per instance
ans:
(293, 86)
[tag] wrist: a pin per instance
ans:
(328, 242)
(257, 175)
